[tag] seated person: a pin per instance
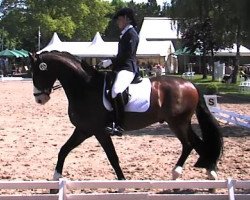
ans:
(243, 74)
(227, 78)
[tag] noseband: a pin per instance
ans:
(47, 92)
(42, 92)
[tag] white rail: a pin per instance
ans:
(224, 115)
(231, 117)
(244, 86)
(127, 190)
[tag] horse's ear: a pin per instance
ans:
(32, 57)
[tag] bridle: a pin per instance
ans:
(43, 67)
(47, 92)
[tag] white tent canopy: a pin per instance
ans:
(100, 48)
(54, 44)
(158, 28)
(96, 48)
(232, 51)
(72, 47)
(155, 48)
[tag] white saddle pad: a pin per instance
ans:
(139, 100)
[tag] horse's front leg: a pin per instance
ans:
(108, 146)
(76, 139)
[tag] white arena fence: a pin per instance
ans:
(231, 117)
(3, 78)
(128, 190)
(224, 115)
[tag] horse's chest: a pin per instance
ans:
(75, 118)
(79, 116)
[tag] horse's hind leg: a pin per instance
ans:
(182, 131)
(189, 140)
(76, 139)
(198, 146)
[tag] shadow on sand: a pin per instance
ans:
(228, 130)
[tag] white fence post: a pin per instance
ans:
(62, 189)
(230, 186)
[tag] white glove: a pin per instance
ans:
(105, 63)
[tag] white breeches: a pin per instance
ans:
(122, 81)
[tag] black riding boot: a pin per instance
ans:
(118, 110)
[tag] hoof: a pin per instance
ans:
(56, 177)
(212, 175)
(212, 190)
(176, 172)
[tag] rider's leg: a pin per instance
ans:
(118, 106)
(122, 81)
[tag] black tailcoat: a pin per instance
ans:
(126, 57)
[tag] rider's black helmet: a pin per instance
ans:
(126, 12)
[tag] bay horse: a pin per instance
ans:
(172, 99)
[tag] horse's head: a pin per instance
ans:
(43, 76)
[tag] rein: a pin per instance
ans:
(56, 87)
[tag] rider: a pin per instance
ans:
(124, 65)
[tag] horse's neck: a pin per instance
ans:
(69, 76)
(78, 86)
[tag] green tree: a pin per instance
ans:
(149, 9)
(227, 19)
(112, 32)
(75, 20)
(239, 28)
(199, 35)
(10, 24)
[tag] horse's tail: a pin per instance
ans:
(211, 135)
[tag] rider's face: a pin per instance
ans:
(122, 22)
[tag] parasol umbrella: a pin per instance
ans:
(25, 52)
(10, 54)
(20, 52)
(182, 52)
(185, 51)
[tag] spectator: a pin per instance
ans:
(243, 74)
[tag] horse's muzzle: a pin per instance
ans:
(41, 97)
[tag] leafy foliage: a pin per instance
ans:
(74, 20)
(212, 24)
(211, 89)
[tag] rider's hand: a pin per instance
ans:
(105, 63)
